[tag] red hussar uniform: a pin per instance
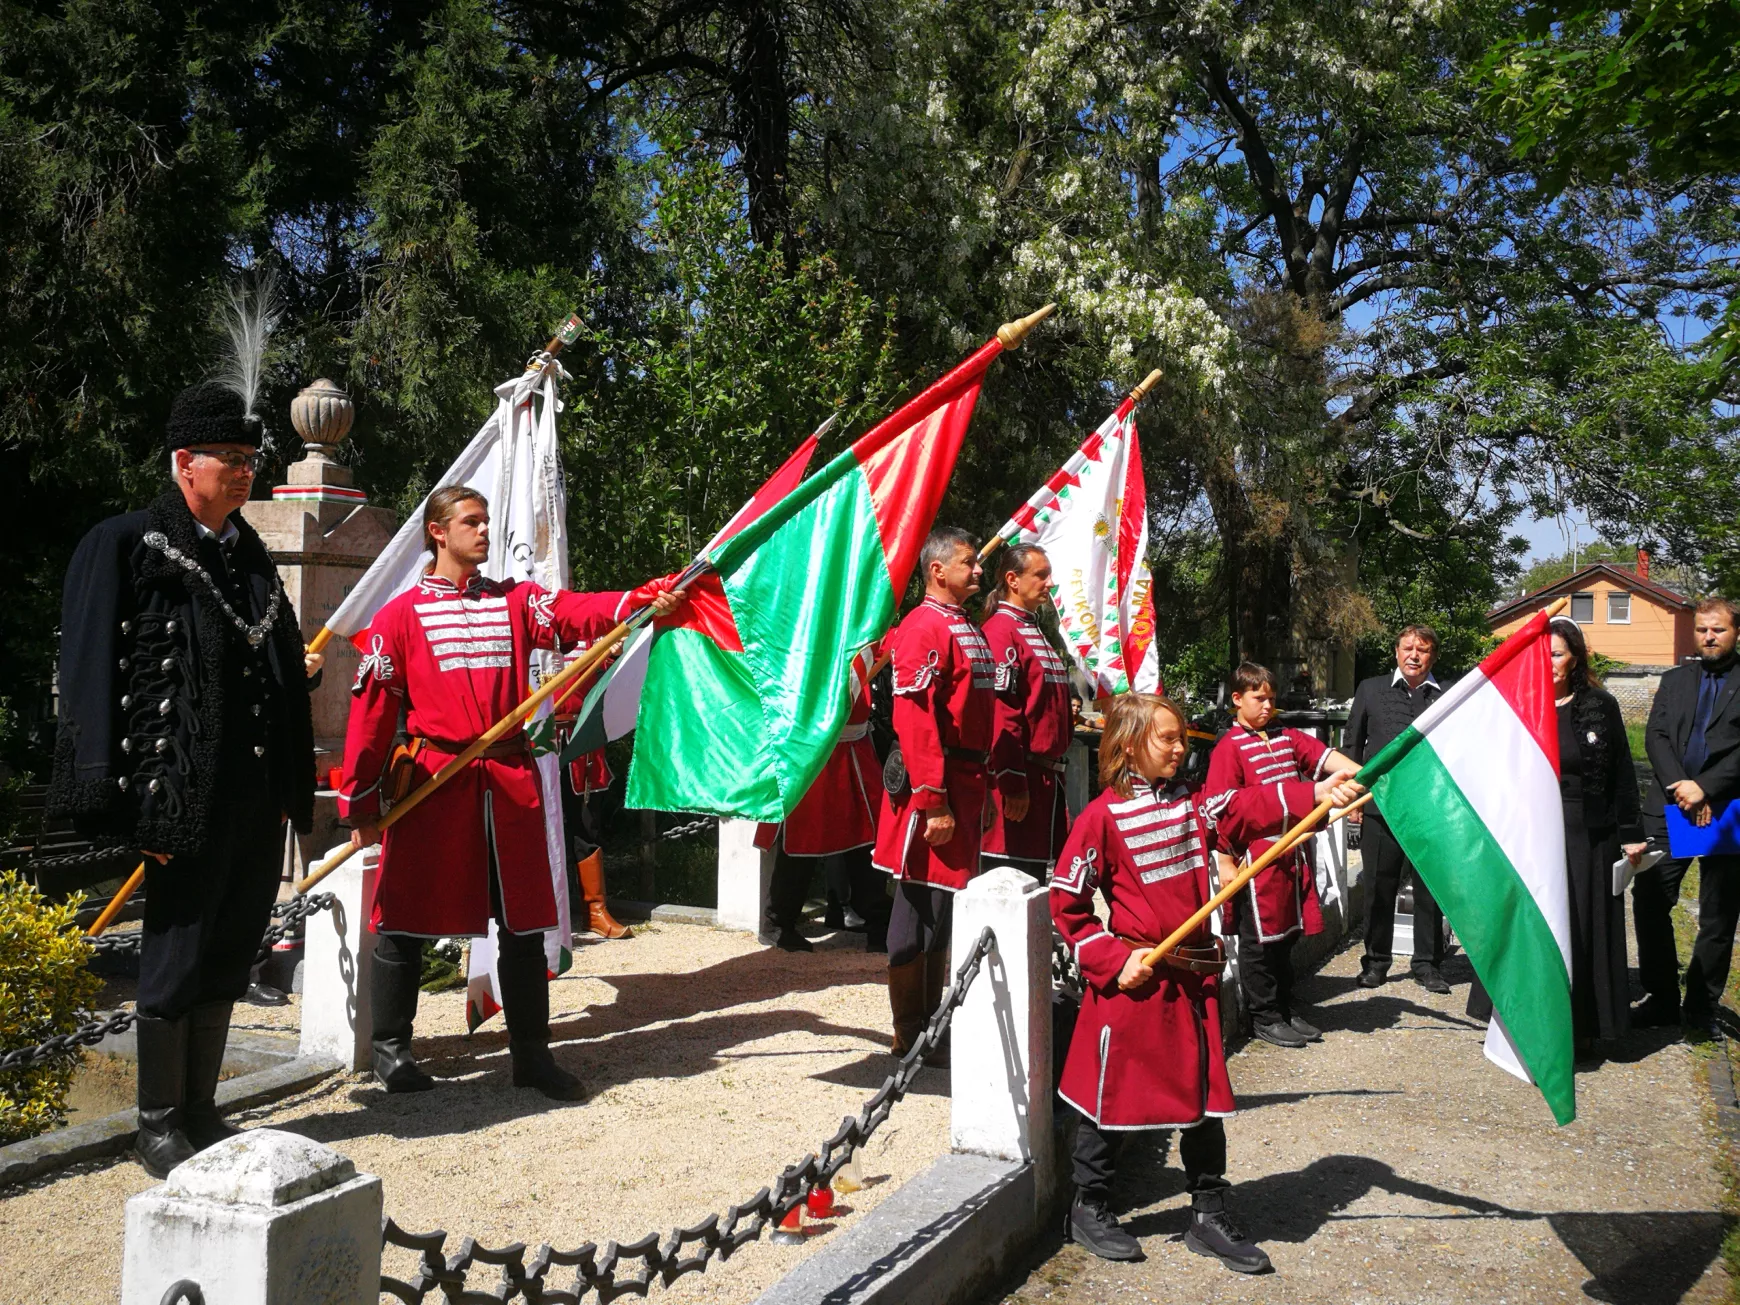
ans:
(457, 662)
(1283, 898)
(943, 707)
(1150, 1058)
(838, 813)
(1032, 732)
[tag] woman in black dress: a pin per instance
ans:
(1598, 786)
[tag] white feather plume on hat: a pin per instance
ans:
(252, 313)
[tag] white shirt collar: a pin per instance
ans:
(1399, 678)
(228, 535)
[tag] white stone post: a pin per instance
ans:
(1001, 1047)
(266, 1218)
(745, 874)
(336, 961)
(1331, 866)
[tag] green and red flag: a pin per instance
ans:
(745, 697)
(1471, 792)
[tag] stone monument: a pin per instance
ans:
(323, 536)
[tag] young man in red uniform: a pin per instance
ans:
(928, 837)
(1281, 769)
(1146, 1052)
(836, 817)
(1029, 819)
(454, 653)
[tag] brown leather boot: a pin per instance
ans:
(906, 1000)
(598, 917)
(936, 982)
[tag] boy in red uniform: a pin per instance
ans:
(1281, 770)
(928, 834)
(454, 653)
(1146, 1053)
(1033, 721)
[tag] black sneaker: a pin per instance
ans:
(1427, 977)
(1372, 975)
(790, 940)
(1214, 1232)
(1096, 1228)
(1306, 1029)
(1282, 1035)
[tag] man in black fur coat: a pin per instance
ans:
(185, 732)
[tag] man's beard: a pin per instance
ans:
(1718, 664)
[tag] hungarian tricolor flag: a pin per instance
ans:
(1091, 518)
(1471, 791)
(744, 700)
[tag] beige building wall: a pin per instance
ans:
(1656, 635)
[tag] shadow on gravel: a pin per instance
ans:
(1644, 1258)
(872, 1071)
(1382, 1012)
(1257, 1100)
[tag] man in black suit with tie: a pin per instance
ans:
(1383, 707)
(1693, 742)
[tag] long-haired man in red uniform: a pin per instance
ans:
(1029, 820)
(454, 654)
(928, 837)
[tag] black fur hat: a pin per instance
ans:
(211, 413)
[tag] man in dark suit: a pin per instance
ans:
(1693, 742)
(1383, 707)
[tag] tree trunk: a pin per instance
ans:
(762, 111)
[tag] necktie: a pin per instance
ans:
(1697, 748)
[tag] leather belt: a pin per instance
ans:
(852, 733)
(514, 745)
(1052, 763)
(967, 754)
(1210, 959)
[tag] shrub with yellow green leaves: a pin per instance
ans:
(45, 989)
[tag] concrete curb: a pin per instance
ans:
(114, 1134)
(937, 1241)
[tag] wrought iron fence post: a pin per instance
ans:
(1001, 1056)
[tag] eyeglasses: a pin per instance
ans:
(233, 461)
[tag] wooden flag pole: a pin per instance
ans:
(1343, 813)
(1134, 397)
(565, 335)
(580, 666)
(116, 902)
(1230, 890)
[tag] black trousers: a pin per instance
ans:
(1094, 1162)
(792, 876)
(1387, 864)
(1653, 894)
(1265, 969)
(205, 914)
(921, 923)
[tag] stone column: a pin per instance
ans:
(337, 1020)
(323, 536)
(745, 874)
(265, 1218)
(1000, 1057)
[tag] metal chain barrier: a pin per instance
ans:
(663, 1258)
(1065, 973)
(90, 856)
(185, 1292)
(290, 914)
(694, 829)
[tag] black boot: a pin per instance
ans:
(525, 1006)
(208, 1031)
(1214, 1232)
(1372, 972)
(393, 985)
(1428, 977)
(162, 1140)
(1097, 1228)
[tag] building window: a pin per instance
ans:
(1618, 609)
(1583, 609)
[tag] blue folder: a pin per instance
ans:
(1721, 837)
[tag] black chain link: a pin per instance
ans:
(694, 829)
(90, 856)
(663, 1259)
(290, 914)
(185, 1292)
(1065, 972)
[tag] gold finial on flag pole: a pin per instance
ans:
(1011, 334)
(1141, 391)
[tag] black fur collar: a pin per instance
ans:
(169, 515)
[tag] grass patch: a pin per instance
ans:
(1634, 735)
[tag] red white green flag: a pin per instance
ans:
(1091, 518)
(1471, 792)
(744, 701)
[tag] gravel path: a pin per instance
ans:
(714, 1063)
(1391, 1163)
